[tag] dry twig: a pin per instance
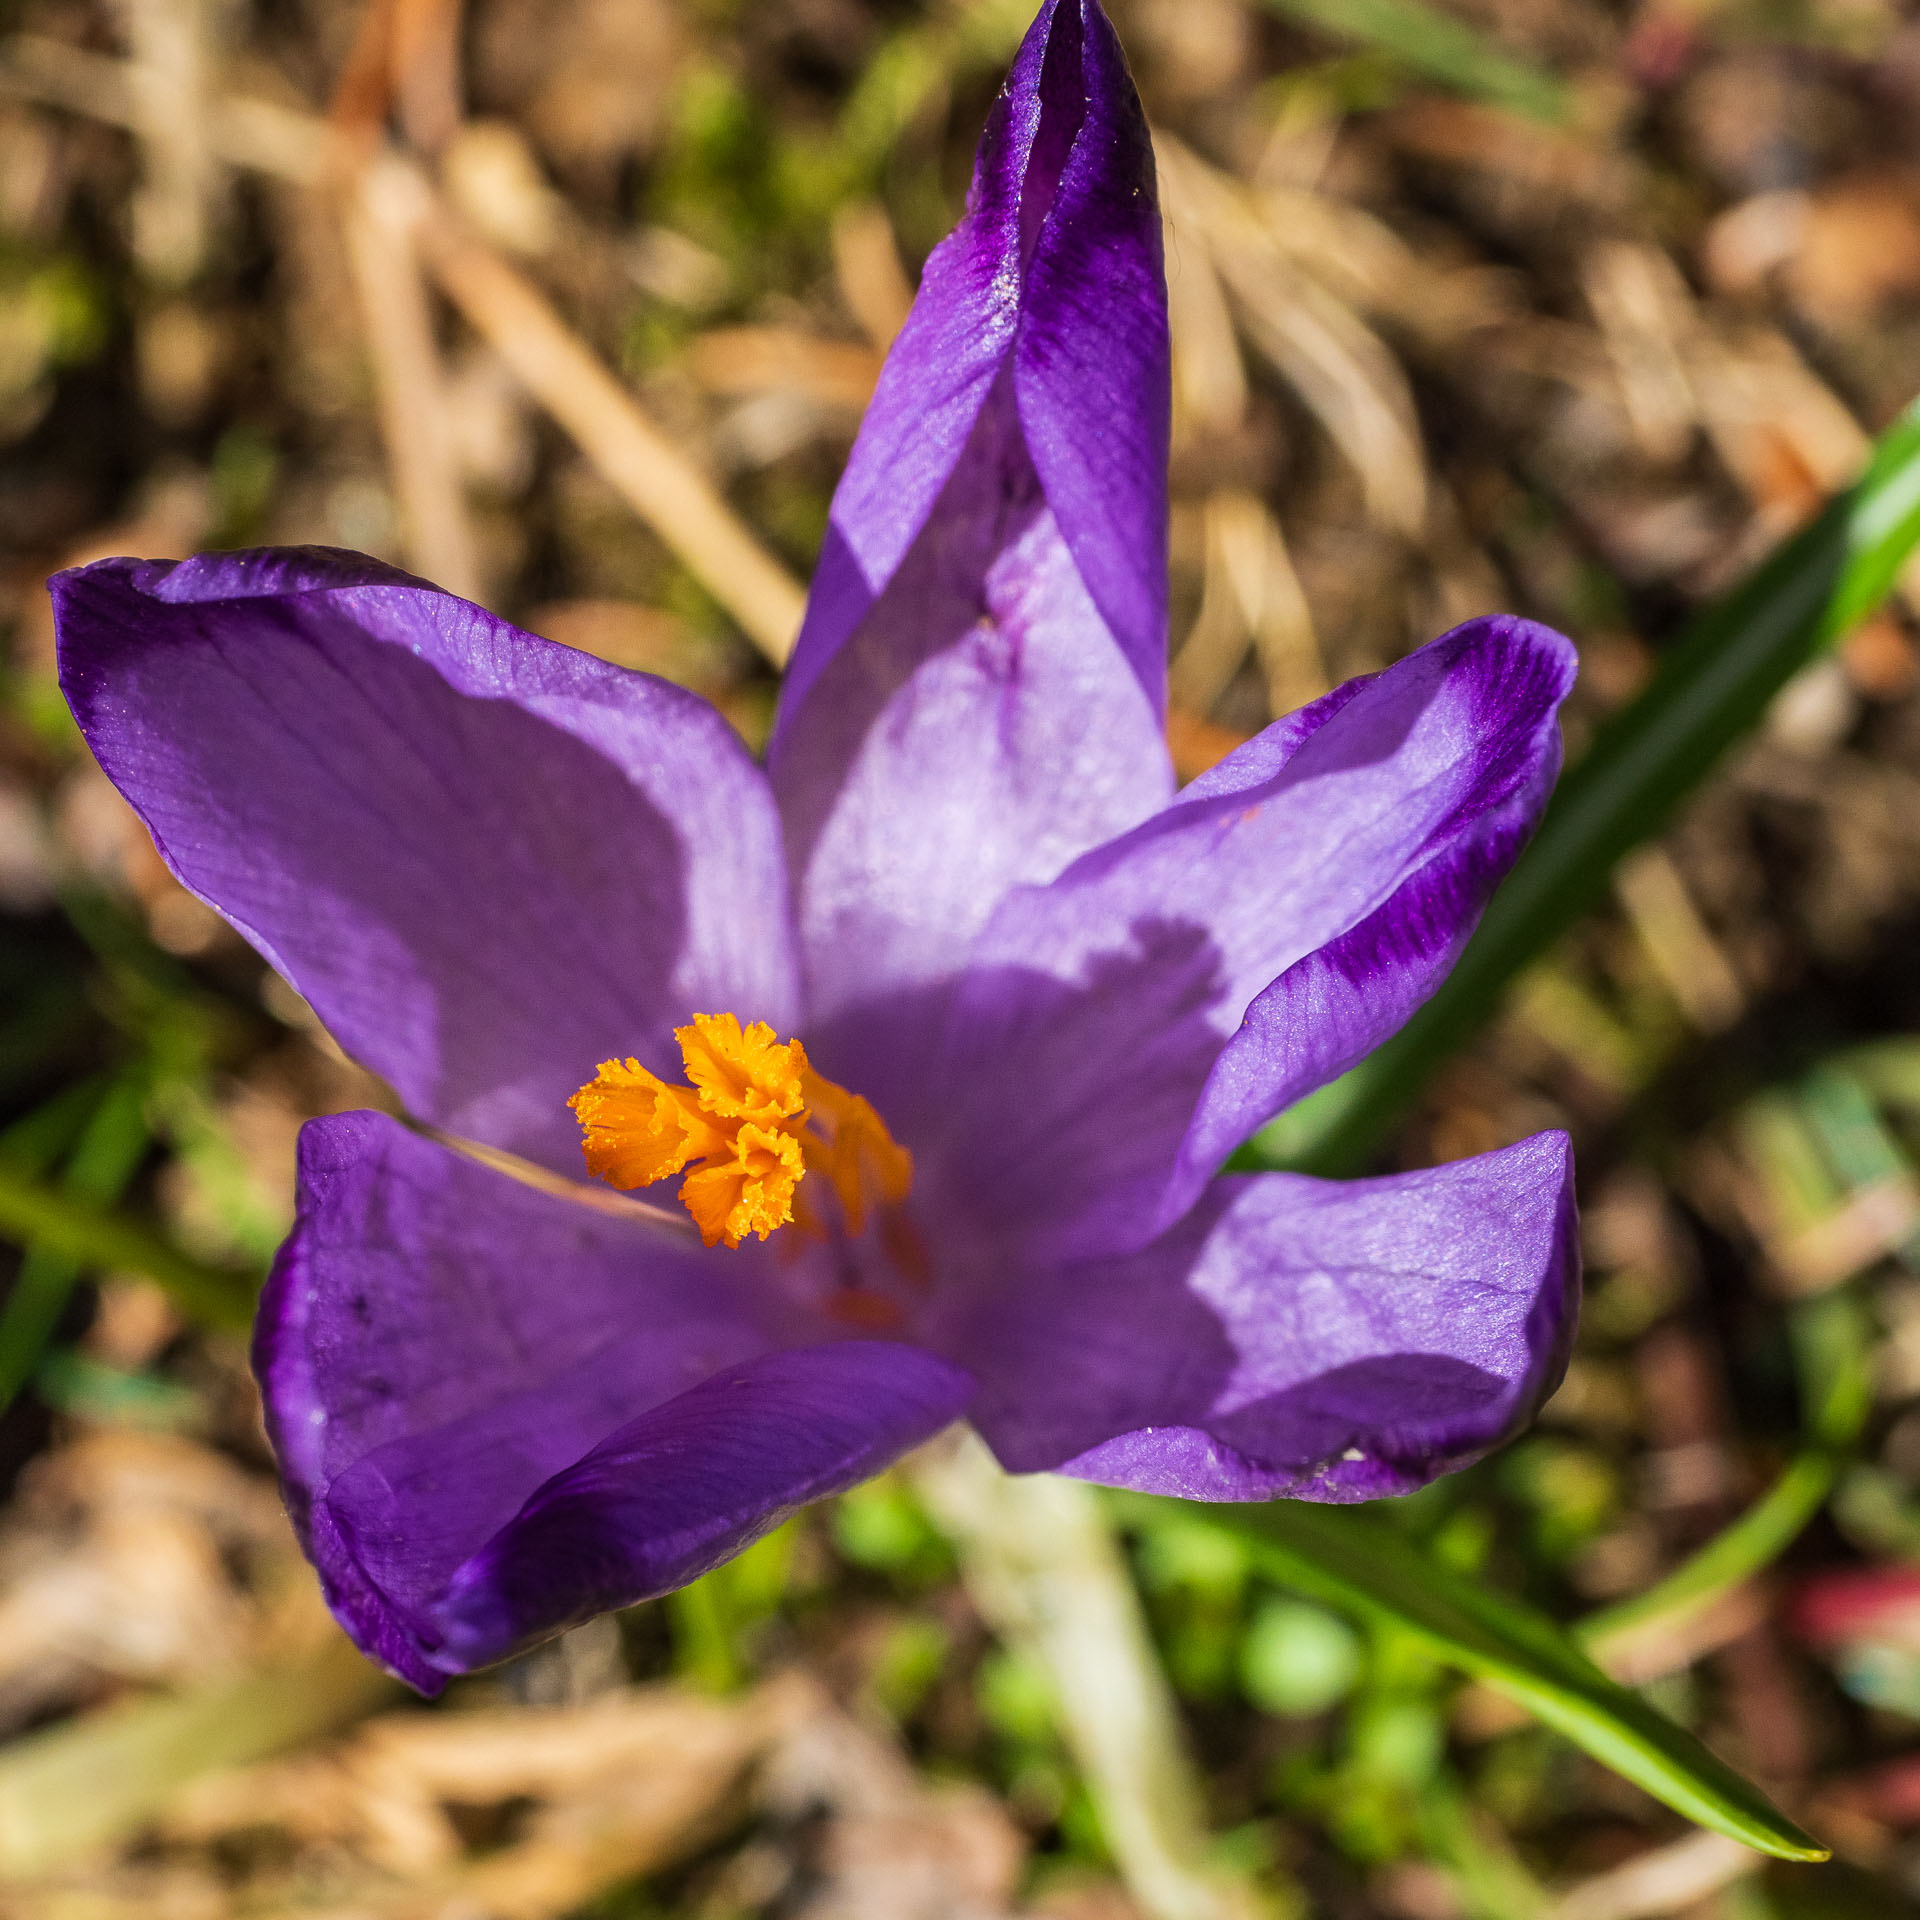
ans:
(379, 211)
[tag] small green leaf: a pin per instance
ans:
(1298, 1659)
(1712, 686)
(1351, 1561)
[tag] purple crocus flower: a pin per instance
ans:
(492, 863)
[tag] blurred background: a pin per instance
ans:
(1566, 308)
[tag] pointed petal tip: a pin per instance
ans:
(1054, 279)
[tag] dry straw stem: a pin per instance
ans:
(1340, 368)
(170, 41)
(1250, 597)
(86, 1783)
(866, 263)
(659, 482)
(745, 360)
(1635, 293)
(406, 54)
(605, 1791)
(1678, 941)
(1040, 1563)
(1666, 1880)
(379, 209)
(1209, 375)
(378, 1826)
(241, 131)
(548, 358)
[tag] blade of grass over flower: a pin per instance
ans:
(1711, 688)
(1439, 48)
(76, 1229)
(1354, 1563)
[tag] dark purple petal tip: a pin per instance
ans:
(1283, 917)
(976, 696)
(1053, 282)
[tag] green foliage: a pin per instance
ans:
(716, 1619)
(1015, 1698)
(1571, 1490)
(110, 1146)
(1298, 1659)
(1350, 1561)
(244, 472)
(54, 314)
(881, 1526)
(909, 1664)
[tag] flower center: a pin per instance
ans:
(753, 1121)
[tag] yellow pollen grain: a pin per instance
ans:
(753, 1121)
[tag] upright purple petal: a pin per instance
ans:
(1055, 272)
(488, 861)
(1322, 1340)
(976, 694)
(437, 1341)
(1122, 1029)
(913, 805)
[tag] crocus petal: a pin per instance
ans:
(1122, 1029)
(975, 697)
(912, 808)
(1055, 273)
(488, 861)
(688, 1485)
(1323, 1340)
(436, 1341)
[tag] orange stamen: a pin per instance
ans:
(753, 1122)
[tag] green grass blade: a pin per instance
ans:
(33, 1214)
(108, 1153)
(1711, 688)
(41, 1288)
(1439, 47)
(1353, 1562)
(1732, 1556)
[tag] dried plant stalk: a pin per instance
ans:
(1040, 1563)
(170, 41)
(867, 265)
(657, 479)
(378, 216)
